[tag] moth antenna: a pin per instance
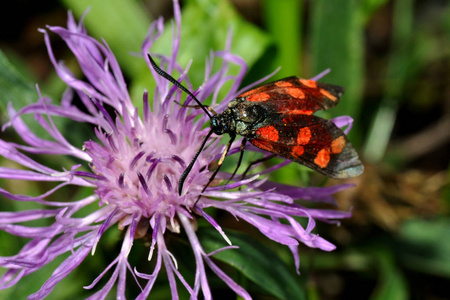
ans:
(191, 164)
(177, 84)
(219, 164)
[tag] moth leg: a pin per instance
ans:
(250, 165)
(241, 155)
(219, 164)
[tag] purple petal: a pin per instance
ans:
(61, 272)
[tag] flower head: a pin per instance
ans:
(132, 164)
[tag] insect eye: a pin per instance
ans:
(217, 126)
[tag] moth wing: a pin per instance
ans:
(311, 141)
(295, 95)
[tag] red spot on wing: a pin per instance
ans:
(323, 158)
(304, 136)
(258, 97)
(301, 112)
(308, 82)
(328, 94)
(269, 133)
(252, 92)
(283, 83)
(337, 145)
(298, 150)
(295, 92)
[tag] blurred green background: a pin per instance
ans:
(393, 58)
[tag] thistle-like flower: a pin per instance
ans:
(133, 164)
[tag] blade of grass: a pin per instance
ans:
(283, 20)
(337, 43)
(392, 283)
(397, 73)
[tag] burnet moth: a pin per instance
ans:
(278, 117)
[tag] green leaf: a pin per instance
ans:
(18, 90)
(205, 27)
(257, 262)
(69, 288)
(13, 86)
(426, 246)
(392, 284)
(122, 24)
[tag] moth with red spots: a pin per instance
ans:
(278, 117)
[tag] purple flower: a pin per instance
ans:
(133, 164)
